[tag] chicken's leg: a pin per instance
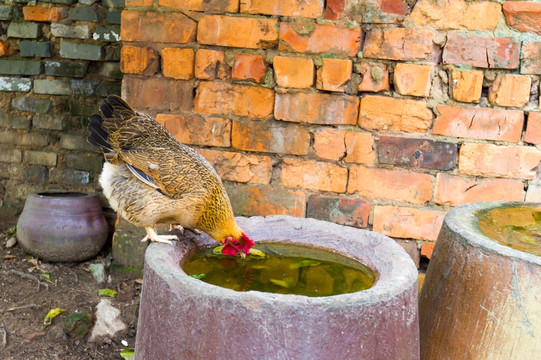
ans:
(152, 235)
(181, 229)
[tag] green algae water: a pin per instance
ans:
(516, 227)
(283, 269)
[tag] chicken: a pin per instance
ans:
(150, 178)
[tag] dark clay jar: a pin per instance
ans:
(64, 226)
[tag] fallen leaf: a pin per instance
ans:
(107, 292)
(127, 353)
(51, 315)
(198, 276)
(281, 283)
(257, 253)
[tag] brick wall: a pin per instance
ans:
(57, 59)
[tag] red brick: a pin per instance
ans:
(484, 52)
(531, 58)
(197, 130)
(317, 108)
(305, 8)
(408, 223)
(249, 67)
(533, 194)
(413, 79)
(210, 65)
(329, 144)
(411, 247)
(242, 168)
(401, 44)
(523, 16)
(455, 190)
(224, 31)
(45, 14)
(157, 94)
(510, 90)
(316, 38)
(395, 185)
(375, 77)
(479, 123)
(5, 49)
(157, 27)
(293, 72)
(387, 113)
(457, 14)
(334, 74)
(466, 85)
(313, 175)
(533, 129)
(139, 60)
(268, 136)
(241, 100)
(427, 249)
(359, 148)
(138, 2)
(178, 63)
(339, 210)
(202, 5)
(518, 162)
(380, 12)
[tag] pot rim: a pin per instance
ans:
(54, 194)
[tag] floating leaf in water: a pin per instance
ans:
(51, 315)
(217, 250)
(257, 253)
(127, 353)
(107, 292)
(281, 283)
(304, 263)
(528, 240)
(198, 276)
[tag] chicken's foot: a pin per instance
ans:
(181, 229)
(152, 235)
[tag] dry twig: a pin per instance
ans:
(20, 273)
(4, 335)
(22, 307)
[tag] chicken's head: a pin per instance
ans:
(233, 246)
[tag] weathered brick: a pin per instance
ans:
(139, 60)
(455, 190)
(306, 8)
(401, 44)
(387, 113)
(35, 49)
(157, 93)
(224, 31)
(458, 14)
(45, 158)
(531, 58)
(242, 168)
(8, 12)
(249, 67)
(106, 33)
(140, 3)
(316, 108)
(510, 90)
(313, 175)
(396, 185)
(329, 144)
(106, 88)
(484, 52)
(45, 14)
(20, 67)
(466, 85)
(417, 153)
(71, 50)
(112, 4)
(75, 142)
(334, 74)
(28, 174)
(113, 17)
(65, 68)
(10, 137)
(68, 176)
(83, 13)
(52, 122)
(413, 79)
(293, 72)
(31, 104)
(197, 130)
(380, 12)
(518, 162)
(210, 65)
(5, 49)
(110, 70)
(91, 163)
(408, 223)
(52, 87)
(15, 121)
(267, 136)
(533, 129)
(15, 84)
(316, 38)
(427, 249)
(24, 30)
(78, 108)
(33, 139)
(70, 31)
(375, 77)
(178, 63)
(339, 210)
(479, 123)
(523, 16)
(240, 100)
(533, 194)
(229, 6)
(249, 200)
(157, 27)
(84, 88)
(359, 148)
(11, 156)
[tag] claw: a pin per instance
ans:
(176, 227)
(153, 236)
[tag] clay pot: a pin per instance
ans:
(480, 299)
(184, 318)
(65, 226)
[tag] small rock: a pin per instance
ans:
(97, 271)
(108, 321)
(78, 324)
(12, 241)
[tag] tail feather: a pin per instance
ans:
(97, 135)
(115, 111)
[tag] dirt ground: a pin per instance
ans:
(23, 306)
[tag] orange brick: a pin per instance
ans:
(202, 5)
(317, 108)
(531, 58)
(138, 60)
(242, 168)
(249, 67)
(240, 100)
(455, 190)
(339, 210)
(482, 51)
(381, 11)
(412, 79)
(5, 49)
(387, 113)
(457, 14)
(518, 162)
(467, 85)
(534, 193)
(306, 8)
(313, 175)
(316, 38)
(157, 27)
(138, 2)
(396, 185)
(210, 65)
(523, 15)
(268, 136)
(375, 77)
(46, 14)
(408, 223)
(359, 148)
(178, 63)
(329, 144)
(334, 74)
(533, 129)
(510, 90)
(427, 249)
(224, 31)
(197, 130)
(293, 72)
(479, 123)
(401, 44)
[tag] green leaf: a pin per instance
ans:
(217, 250)
(257, 253)
(127, 353)
(107, 292)
(51, 315)
(281, 283)
(528, 240)
(198, 276)
(304, 263)
(45, 276)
